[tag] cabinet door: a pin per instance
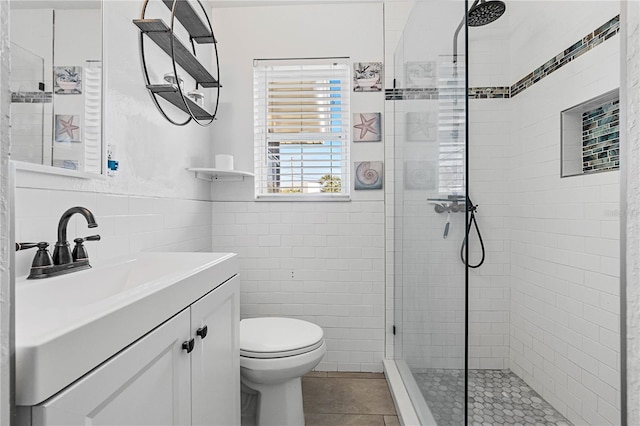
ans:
(215, 361)
(148, 383)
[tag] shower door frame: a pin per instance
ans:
(399, 364)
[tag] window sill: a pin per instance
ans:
(303, 198)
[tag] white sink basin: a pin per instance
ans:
(68, 325)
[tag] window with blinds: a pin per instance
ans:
(452, 118)
(301, 127)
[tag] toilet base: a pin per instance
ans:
(279, 405)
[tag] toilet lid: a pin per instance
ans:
(275, 337)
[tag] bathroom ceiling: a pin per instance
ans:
(57, 4)
(249, 3)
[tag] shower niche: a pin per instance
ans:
(590, 136)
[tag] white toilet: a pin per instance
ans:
(274, 354)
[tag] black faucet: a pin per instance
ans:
(63, 261)
(62, 252)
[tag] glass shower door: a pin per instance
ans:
(29, 107)
(430, 211)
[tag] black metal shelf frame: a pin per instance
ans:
(163, 35)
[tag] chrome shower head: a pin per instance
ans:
(485, 12)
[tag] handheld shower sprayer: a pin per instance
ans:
(452, 204)
(472, 209)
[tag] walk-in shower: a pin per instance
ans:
(505, 307)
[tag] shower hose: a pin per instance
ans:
(472, 222)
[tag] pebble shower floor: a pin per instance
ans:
(496, 397)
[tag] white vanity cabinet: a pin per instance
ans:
(215, 360)
(160, 379)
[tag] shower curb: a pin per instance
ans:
(406, 413)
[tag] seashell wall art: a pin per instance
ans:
(368, 175)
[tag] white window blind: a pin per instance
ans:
(451, 128)
(301, 127)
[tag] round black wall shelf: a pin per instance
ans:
(164, 36)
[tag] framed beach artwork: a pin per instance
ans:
(368, 175)
(419, 174)
(67, 80)
(67, 128)
(422, 126)
(367, 127)
(420, 74)
(367, 77)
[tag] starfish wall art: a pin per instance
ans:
(67, 128)
(367, 127)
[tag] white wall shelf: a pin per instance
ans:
(213, 175)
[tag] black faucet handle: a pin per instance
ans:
(24, 246)
(89, 238)
(80, 251)
(42, 257)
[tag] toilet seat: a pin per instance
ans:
(274, 355)
(275, 337)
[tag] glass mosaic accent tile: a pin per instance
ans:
(489, 92)
(496, 397)
(412, 93)
(434, 93)
(601, 138)
(588, 42)
(31, 97)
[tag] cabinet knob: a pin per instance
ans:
(202, 332)
(188, 345)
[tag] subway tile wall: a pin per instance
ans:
(564, 333)
(317, 261)
(630, 50)
(127, 224)
(489, 284)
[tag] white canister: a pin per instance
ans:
(224, 162)
(171, 79)
(197, 97)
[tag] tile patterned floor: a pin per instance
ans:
(496, 397)
(347, 399)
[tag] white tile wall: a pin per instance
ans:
(631, 229)
(489, 285)
(319, 261)
(127, 224)
(6, 198)
(564, 251)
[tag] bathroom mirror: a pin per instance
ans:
(57, 84)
